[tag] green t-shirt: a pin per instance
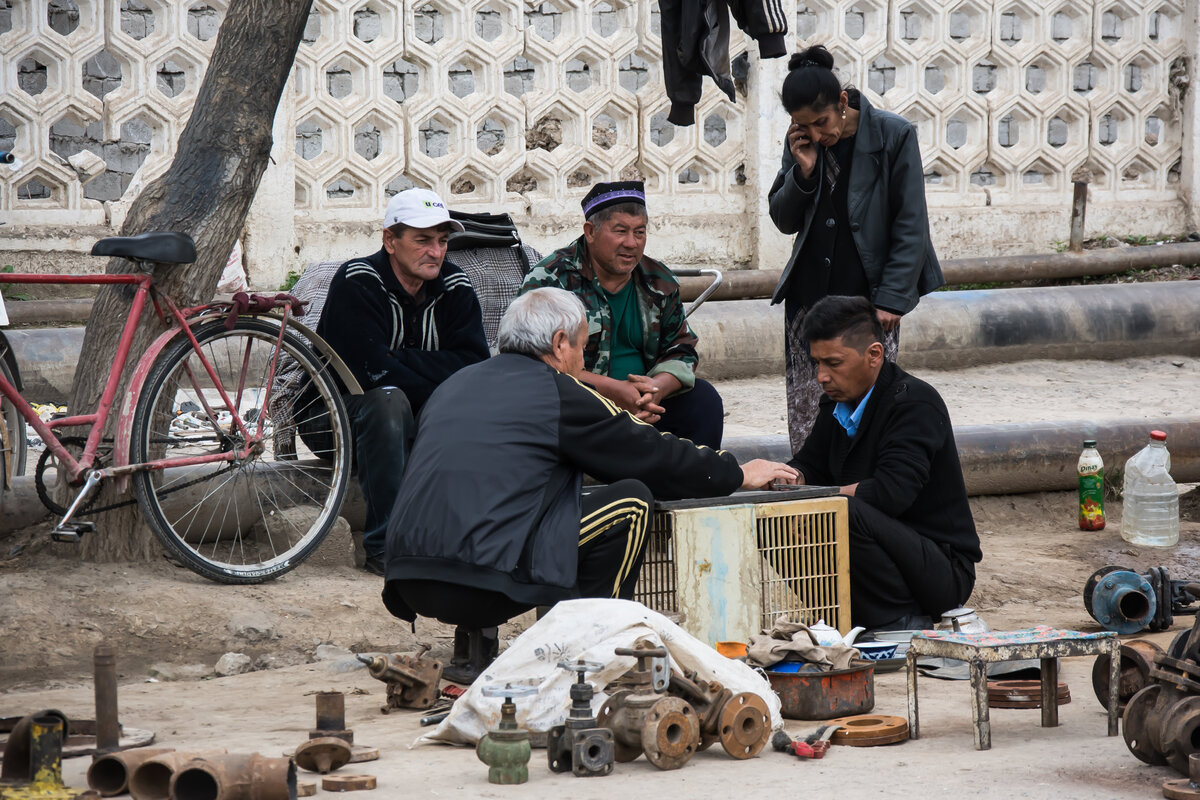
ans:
(627, 345)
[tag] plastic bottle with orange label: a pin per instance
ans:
(1091, 488)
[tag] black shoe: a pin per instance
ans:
(375, 565)
(474, 651)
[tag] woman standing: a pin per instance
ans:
(852, 189)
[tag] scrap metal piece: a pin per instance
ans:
(108, 726)
(44, 764)
(235, 776)
(506, 749)
(323, 755)
(1179, 732)
(348, 783)
(1023, 694)
(869, 730)
(109, 774)
(1187, 788)
(19, 748)
(1137, 659)
(331, 718)
(1136, 725)
(622, 752)
(580, 745)
(306, 788)
(412, 681)
(670, 733)
(744, 724)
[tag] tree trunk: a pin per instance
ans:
(206, 193)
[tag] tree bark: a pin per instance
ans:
(206, 192)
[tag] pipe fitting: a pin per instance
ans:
(236, 776)
(109, 774)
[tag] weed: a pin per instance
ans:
(7, 293)
(1059, 246)
(289, 281)
(1140, 240)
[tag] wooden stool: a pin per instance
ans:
(981, 649)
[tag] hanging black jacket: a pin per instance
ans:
(903, 459)
(491, 491)
(695, 43)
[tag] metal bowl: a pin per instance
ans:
(825, 695)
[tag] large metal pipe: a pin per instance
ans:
(109, 774)
(235, 777)
(108, 727)
(760, 283)
(1015, 458)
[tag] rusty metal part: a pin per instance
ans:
(109, 773)
(1139, 725)
(331, 711)
(81, 736)
(653, 670)
(579, 745)
(235, 776)
(412, 681)
(44, 765)
(670, 733)
(1023, 694)
(1180, 732)
(108, 727)
(506, 748)
(306, 788)
(19, 747)
(825, 695)
(1137, 659)
(323, 755)
(1186, 788)
(151, 779)
(745, 725)
(361, 753)
(868, 730)
(348, 783)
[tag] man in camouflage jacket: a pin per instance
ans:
(640, 352)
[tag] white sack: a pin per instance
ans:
(589, 629)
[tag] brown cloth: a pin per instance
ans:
(793, 638)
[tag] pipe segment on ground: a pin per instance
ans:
(1012, 458)
(749, 284)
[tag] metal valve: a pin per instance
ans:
(642, 720)
(580, 745)
(412, 681)
(505, 749)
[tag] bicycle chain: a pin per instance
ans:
(44, 495)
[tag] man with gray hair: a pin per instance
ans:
(491, 520)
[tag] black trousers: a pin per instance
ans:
(612, 543)
(381, 421)
(698, 415)
(895, 571)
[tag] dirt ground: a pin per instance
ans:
(170, 628)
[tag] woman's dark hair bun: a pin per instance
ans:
(815, 56)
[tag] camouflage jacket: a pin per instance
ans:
(669, 344)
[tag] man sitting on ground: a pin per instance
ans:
(640, 352)
(490, 521)
(885, 438)
(403, 320)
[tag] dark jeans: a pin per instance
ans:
(698, 415)
(895, 571)
(381, 421)
(612, 543)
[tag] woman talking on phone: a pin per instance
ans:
(852, 189)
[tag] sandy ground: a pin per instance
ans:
(171, 627)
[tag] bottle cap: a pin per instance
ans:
(1158, 436)
(1089, 442)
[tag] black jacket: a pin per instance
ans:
(490, 497)
(695, 43)
(387, 338)
(886, 203)
(903, 459)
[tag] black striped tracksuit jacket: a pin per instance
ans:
(388, 338)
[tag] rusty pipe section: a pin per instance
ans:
(151, 779)
(108, 727)
(109, 774)
(747, 284)
(236, 776)
(1015, 458)
(331, 711)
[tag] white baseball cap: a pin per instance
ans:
(418, 208)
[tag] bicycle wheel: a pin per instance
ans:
(13, 444)
(249, 520)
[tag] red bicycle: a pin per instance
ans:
(232, 428)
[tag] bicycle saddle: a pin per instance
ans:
(166, 248)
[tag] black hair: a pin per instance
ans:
(810, 82)
(852, 319)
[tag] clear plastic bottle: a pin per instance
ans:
(1091, 488)
(1151, 501)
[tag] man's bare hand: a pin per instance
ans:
(760, 474)
(887, 319)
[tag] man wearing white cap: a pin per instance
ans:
(403, 320)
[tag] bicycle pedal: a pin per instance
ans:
(72, 532)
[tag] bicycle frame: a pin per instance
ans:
(183, 320)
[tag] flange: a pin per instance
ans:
(670, 733)
(744, 726)
(1135, 725)
(323, 755)
(869, 730)
(1022, 694)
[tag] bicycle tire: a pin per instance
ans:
(238, 531)
(15, 443)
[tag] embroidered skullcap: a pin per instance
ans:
(604, 195)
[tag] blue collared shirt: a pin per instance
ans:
(849, 419)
